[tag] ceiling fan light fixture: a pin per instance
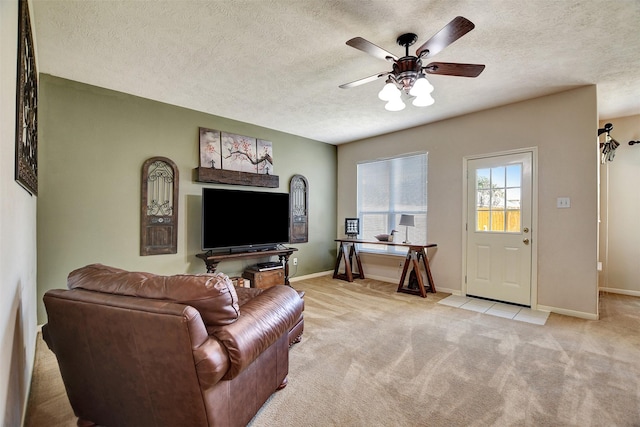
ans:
(423, 101)
(395, 104)
(408, 75)
(389, 92)
(421, 87)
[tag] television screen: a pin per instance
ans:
(246, 220)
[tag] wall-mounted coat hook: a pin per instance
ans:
(634, 142)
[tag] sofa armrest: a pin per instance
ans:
(209, 356)
(262, 321)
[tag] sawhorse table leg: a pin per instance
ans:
(348, 251)
(414, 255)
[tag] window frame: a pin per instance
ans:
(393, 214)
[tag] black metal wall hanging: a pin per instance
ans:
(26, 170)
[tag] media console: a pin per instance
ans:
(212, 259)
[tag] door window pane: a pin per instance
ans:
(498, 199)
(497, 177)
(483, 178)
(514, 175)
(497, 220)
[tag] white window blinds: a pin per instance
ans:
(389, 188)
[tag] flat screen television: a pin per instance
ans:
(244, 220)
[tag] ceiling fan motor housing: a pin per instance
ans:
(406, 70)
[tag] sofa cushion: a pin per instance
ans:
(213, 295)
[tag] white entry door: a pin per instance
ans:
(499, 199)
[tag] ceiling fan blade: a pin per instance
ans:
(370, 48)
(363, 81)
(451, 32)
(454, 69)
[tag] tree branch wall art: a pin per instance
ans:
(228, 158)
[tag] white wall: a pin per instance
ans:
(620, 224)
(17, 243)
(562, 126)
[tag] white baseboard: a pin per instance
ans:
(565, 312)
(621, 291)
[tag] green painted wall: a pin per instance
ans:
(93, 143)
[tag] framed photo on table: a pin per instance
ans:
(352, 227)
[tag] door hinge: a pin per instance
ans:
(465, 278)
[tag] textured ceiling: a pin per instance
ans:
(278, 63)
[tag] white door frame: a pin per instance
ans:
(534, 216)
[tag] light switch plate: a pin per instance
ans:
(564, 202)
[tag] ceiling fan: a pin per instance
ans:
(408, 73)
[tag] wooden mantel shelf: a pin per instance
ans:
(222, 176)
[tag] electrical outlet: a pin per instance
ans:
(563, 202)
(295, 261)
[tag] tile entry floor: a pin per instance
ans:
(515, 312)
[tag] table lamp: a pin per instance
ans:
(406, 220)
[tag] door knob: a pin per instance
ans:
(526, 241)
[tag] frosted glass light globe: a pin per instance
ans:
(421, 87)
(395, 105)
(423, 101)
(389, 92)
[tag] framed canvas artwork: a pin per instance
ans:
(228, 158)
(265, 157)
(210, 153)
(238, 153)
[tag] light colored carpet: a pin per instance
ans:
(372, 357)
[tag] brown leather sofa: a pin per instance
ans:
(138, 349)
(295, 333)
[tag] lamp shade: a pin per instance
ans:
(407, 220)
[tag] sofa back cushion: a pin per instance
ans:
(213, 295)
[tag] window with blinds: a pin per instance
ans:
(387, 189)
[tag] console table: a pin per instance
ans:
(212, 259)
(415, 253)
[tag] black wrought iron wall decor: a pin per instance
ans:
(299, 206)
(159, 207)
(26, 170)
